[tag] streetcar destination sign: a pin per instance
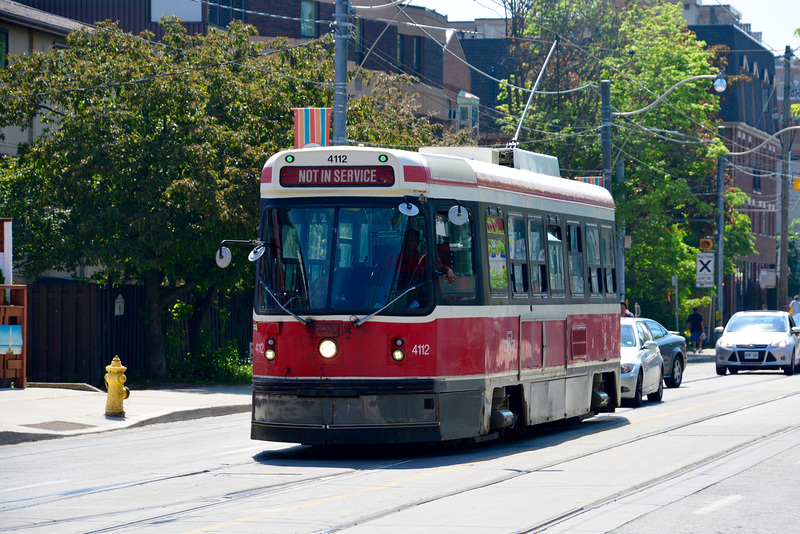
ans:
(328, 176)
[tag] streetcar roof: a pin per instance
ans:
(418, 171)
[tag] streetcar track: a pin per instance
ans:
(575, 512)
(215, 501)
(227, 498)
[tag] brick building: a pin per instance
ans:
(394, 39)
(750, 116)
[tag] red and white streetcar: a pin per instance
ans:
(449, 294)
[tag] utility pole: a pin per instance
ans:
(605, 130)
(783, 269)
(341, 35)
(720, 234)
(605, 147)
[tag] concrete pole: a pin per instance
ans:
(783, 270)
(341, 35)
(605, 130)
(720, 236)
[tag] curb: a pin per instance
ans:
(15, 438)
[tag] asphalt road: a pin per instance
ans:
(717, 455)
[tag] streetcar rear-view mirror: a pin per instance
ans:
(223, 257)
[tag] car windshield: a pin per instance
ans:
(627, 337)
(758, 323)
(356, 258)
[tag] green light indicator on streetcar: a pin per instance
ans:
(289, 159)
(383, 158)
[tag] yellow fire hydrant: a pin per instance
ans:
(117, 391)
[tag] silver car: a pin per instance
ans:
(757, 340)
(642, 364)
(673, 350)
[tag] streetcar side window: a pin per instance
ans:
(555, 253)
(575, 258)
(454, 248)
(538, 257)
(607, 255)
(593, 259)
(496, 241)
(518, 254)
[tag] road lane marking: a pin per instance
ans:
(714, 506)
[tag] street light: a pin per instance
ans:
(605, 144)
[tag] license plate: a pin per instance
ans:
(750, 355)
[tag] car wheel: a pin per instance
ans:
(636, 401)
(733, 370)
(721, 370)
(789, 369)
(675, 380)
(659, 393)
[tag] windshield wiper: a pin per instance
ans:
(358, 322)
(306, 322)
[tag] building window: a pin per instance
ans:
(308, 14)
(222, 12)
(359, 41)
(756, 180)
(3, 49)
(400, 42)
(416, 54)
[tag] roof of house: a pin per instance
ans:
(16, 13)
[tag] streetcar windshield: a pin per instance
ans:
(358, 259)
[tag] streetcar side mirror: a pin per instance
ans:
(223, 257)
(407, 208)
(256, 252)
(457, 215)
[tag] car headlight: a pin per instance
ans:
(725, 344)
(780, 344)
(627, 368)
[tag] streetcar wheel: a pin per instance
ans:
(659, 393)
(721, 370)
(636, 401)
(675, 380)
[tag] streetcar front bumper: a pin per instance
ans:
(330, 412)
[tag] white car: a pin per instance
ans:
(758, 340)
(642, 364)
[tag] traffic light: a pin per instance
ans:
(706, 244)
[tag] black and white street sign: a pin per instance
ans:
(705, 269)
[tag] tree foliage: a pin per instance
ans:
(152, 153)
(666, 155)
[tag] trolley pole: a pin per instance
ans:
(341, 35)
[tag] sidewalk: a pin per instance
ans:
(47, 411)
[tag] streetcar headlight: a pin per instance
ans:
(328, 348)
(398, 355)
(269, 354)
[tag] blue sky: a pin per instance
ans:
(775, 19)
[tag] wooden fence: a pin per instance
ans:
(74, 332)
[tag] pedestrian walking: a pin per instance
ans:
(697, 330)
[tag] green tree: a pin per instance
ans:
(669, 153)
(151, 155)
